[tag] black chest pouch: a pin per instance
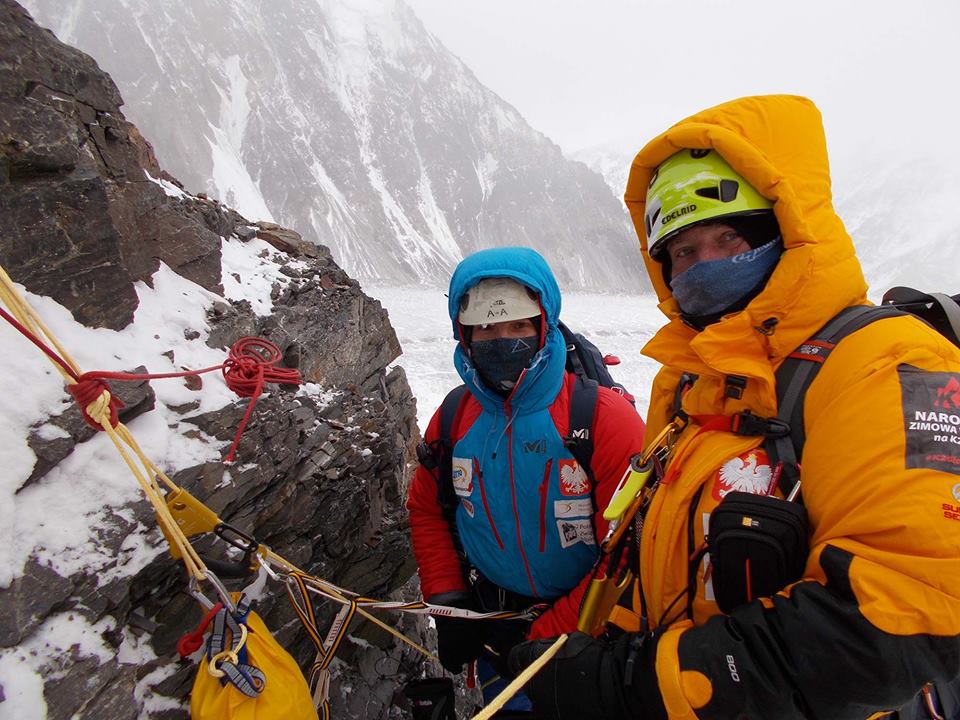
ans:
(758, 545)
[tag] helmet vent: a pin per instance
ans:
(712, 192)
(728, 190)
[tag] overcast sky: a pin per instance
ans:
(586, 73)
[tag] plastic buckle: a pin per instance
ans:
(734, 386)
(426, 456)
(746, 423)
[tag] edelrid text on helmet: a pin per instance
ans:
(690, 187)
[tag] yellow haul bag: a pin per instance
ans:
(283, 693)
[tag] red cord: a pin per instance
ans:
(250, 364)
(188, 644)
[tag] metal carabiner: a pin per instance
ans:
(205, 602)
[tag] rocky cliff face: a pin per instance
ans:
(114, 251)
(347, 120)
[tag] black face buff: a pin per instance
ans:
(501, 360)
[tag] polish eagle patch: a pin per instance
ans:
(749, 472)
(573, 480)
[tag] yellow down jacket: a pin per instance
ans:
(877, 611)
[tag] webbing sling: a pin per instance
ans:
(794, 377)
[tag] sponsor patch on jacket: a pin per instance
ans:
(931, 418)
(573, 508)
(573, 480)
(952, 511)
(575, 531)
(463, 476)
(748, 472)
(468, 506)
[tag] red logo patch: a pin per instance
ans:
(573, 480)
(948, 396)
(749, 472)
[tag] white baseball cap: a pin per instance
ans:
(498, 299)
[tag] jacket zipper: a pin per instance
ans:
(543, 503)
(486, 508)
(513, 497)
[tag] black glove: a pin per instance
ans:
(458, 640)
(590, 679)
(499, 638)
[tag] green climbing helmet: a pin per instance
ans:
(692, 186)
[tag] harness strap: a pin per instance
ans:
(319, 674)
(794, 377)
(229, 659)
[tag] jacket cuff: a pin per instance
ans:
(682, 690)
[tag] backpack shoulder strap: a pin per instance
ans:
(938, 309)
(794, 377)
(449, 410)
(579, 439)
(574, 363)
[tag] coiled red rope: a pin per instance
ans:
(251, 363)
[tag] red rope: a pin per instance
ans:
(250, 364)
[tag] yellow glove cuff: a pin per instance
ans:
(682, 690)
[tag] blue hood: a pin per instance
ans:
(544, 377)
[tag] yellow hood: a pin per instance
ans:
(777, 143)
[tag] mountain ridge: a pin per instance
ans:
(352, 123)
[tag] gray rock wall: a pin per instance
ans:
(321, 481)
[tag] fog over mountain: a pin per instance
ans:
(352, 124)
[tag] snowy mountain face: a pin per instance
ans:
(899, 210)
(348, 122)
(611, 161)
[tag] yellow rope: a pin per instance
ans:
(147, 473)
(520, 680)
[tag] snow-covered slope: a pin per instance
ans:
(347, 121)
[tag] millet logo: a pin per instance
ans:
(670, 217)
(537, 446)
(956, 492)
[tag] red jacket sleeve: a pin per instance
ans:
(437, 561)
(617, 436)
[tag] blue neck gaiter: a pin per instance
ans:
(500, 361)
(714, 287)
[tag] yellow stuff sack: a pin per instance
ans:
(285, 695)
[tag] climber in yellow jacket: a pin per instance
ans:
(749, 260)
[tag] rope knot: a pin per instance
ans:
(251, 364)
(97, 403)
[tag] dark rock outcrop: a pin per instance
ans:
(320, 476)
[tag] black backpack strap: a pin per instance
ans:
(446, 496)
(938, 309)
(794, 377)
(579, 440)
(438, 457)
(574, 362)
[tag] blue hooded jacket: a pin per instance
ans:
(525, 512)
